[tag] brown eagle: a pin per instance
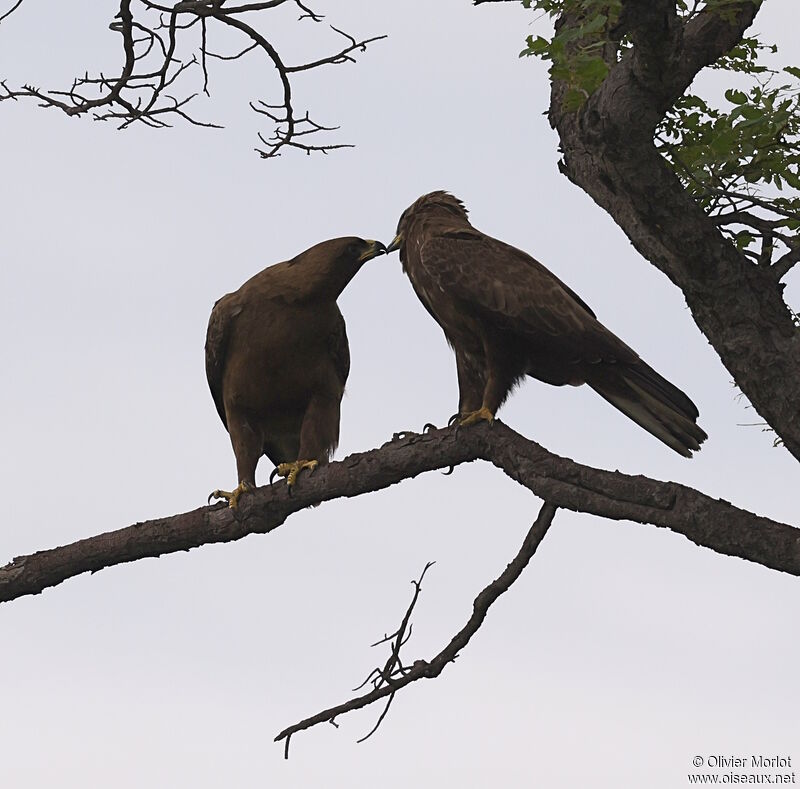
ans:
(277, 360)
(506, 316)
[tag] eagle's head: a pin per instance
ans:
(435, 205)
(349, 252)
(329, 266)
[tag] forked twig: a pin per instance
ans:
(395, 676)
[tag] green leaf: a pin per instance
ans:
(574, 99)
(752, 112)
(792, 179)
(591, 73)
(594, 25)
(736, 96)
(538, 46)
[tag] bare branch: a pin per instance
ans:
(241, 9)
(152, 46)
(232, 57)
(745, 218)
(342, 56)
(369, 734)
(423, 669)
(288, 127)
(754, 200)
(767, 231)
(203, 55)
(393, 668)
(783, 265)
(767, 247)
(307, 12)
(705, 521)
(11, 10)
(124, 26)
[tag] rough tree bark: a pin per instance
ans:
(560, 481)
(608, 151)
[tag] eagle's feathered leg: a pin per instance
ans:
(496, 380)
(472, 386)
(319, 435)
(247, 449)
(471, 383)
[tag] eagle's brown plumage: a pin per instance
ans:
(506, 316)
(277, 359)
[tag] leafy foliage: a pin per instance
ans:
(741, 162)
(576, 52)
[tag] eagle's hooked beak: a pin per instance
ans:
(396, 244)
(373, 249)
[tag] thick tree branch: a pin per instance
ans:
(783, 265)
(424, 669)
(563, 482)
(609, 152)
(668, 52)
(713, 32)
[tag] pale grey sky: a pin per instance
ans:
(624, 650)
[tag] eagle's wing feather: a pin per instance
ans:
(217, 336)
(518, 294)
(340, 350)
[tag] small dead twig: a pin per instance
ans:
(393, 669)
(400, 636)
(387, 685)
(11, 10)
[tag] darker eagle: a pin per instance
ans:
(277, 360)
(506, 316)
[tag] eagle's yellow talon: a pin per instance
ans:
(291, 470)
(471, 418)
(232, 496)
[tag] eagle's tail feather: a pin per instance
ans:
(653, 403)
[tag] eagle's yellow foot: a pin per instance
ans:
(232, 497)
(291, 470)
(472, 417)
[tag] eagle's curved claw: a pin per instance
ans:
(454, 420)
(231, 496)
(428, 426)
(291, 470)
(449, 471)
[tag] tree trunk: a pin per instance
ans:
(609, 152)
